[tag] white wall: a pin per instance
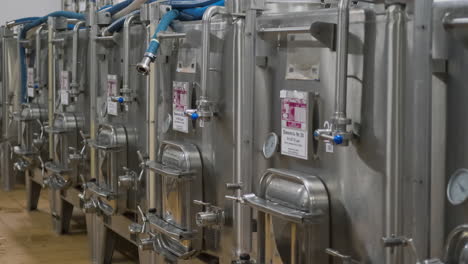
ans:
(13, 9)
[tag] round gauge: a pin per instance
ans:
(457, 189)
(270, 145)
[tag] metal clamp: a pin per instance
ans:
(401, 241)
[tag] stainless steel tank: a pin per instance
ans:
(118, 130)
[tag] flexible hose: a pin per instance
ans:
(162, 26)
(117, 8)
(197, 13)
(26, 28)
(136, 4)
(117, 25)
(184, 4)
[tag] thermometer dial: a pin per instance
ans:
(457, 189)
(270, 146)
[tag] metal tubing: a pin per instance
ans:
(207, 16)
(393, 168)
(76, 41)
(126, 58)
(38, 56)
(342, 61)
(51, 88)
(93, 83)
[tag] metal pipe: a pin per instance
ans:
(38, 56)
(393, 168)
(207, 16)
(93, 83)
(341, 61)
(126, 56)
(51, 88)
(76, 41)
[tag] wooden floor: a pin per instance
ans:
(27, 237)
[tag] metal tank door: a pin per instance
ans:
(65, 130)
(108, 195)
(179, 169)
(30, 133)
(293, 216)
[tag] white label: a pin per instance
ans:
(31, 92)
(82, 6)
(30, 80)
(112, 85)
(65, 80)
(64, 97)
(294, 123)
(329, 147)
(180, 103)
(112, 107)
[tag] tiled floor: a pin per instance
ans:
(27, 237)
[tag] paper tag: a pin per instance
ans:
(329, 147)
(112, 85)
(294, 123)
(31, 92)
(30, 80)
(65, 80)
(181, 101)
(112, 107)
(82, 6)
(64, 97)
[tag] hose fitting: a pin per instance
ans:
(144, 66)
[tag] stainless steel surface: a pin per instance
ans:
(396, 34)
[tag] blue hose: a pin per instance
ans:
(197, 13)
(184, 4)
(24, 20)
(118, 24)
(24, 31)
(118, 7)
(162, 26)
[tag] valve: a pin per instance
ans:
(204, 112)
(136, 228)
(85, 138)
(401, 241)
(335, 133)
(344, 258)
(212, 216)
(128, 179)
(143, 166)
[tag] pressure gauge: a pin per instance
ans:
(457, 189)
(270, 146)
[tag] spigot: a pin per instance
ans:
(85, 138)
(90, 207)
(204, 112)
(143, 166)
(212, 216)
(336, 133)
(144, 66)
(344, 258)
(21, 165)
(136, 228)
(128, 179)
(400, 241)
(74, 155)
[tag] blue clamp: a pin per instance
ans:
(120, 100)
(338, 139)
(316, 134)
(194, 116)
(36, 86)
